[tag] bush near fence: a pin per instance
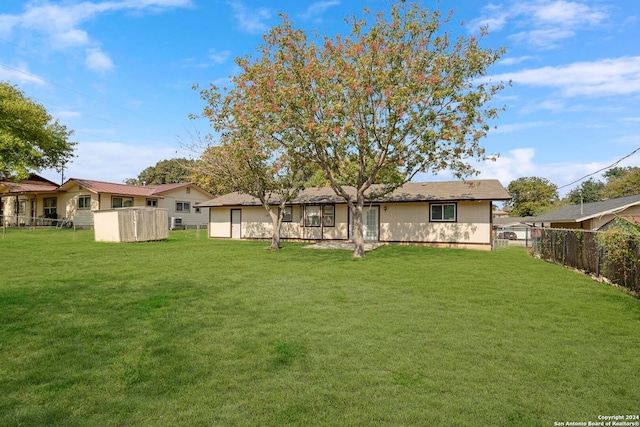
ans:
(585, 251)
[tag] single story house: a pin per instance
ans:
(36, 201)
(590, 216)
(452, 214)
(513, 224)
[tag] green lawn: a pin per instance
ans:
(200, 332)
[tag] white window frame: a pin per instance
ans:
(443, 214)
(152, 203)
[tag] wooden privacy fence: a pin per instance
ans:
(585, 251)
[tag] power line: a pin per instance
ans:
(603, 169)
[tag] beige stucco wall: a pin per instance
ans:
(67, 204)
(400, 222)
(257, 224)
(409, 222)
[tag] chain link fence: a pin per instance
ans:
(587, 252)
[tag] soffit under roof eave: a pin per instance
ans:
(613, 211)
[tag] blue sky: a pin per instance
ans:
(120, 73)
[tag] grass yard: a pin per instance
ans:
(200, 332)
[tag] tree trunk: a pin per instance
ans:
(275, 238)
(358, 229)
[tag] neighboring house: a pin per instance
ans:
(500, 214)
(514, 224)
(76, 200)
(18, 199)
(454, 214)
(589, 216)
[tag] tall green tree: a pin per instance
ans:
(169, 171)
(622, 182)
(615, 172)
(30, 139)
(589, 191)
(531, 196)
(399, 91)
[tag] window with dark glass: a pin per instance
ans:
(288, 214)
(84, 202)
(183, 206)
(50, 206)
(443, 212)
(122, 202)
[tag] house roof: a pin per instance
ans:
(33, 184)
(511, 221)
(129, 190)
(483, 189)
(108, 187)
(579, 213)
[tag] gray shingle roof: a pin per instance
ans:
(577, 213)
(480, 189)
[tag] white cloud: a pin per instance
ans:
(514, 60)
(251, 20)
(70, 39)
(545, 38)
(19, 74)
(66, 114)
(97, 60)
(606, 77)
(218, 57)
(318, 8)
(57, 26)
(104, 161)
(550, 21)
(142, 4)
(563, 13)
(7, 23)
(516, 127)
(521, 162)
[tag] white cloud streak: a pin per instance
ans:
(318, 8)
(250, 20)
(521, 162)
(19, 74)
(104, 161)
(97, 60)
(549, 21)
(218, 57)
(606, 77)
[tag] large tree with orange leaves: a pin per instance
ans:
(398, 92)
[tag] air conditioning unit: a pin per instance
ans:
(175, 223)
